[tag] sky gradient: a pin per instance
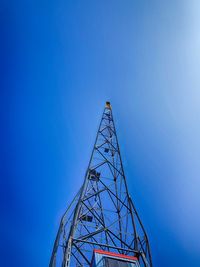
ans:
(61, 61)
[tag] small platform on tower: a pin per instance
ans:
(103, 258)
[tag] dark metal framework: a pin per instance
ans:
(102, 214)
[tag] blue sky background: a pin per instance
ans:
(61, 61)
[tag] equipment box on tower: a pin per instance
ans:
(110, 259)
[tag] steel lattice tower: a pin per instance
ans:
(102, 214)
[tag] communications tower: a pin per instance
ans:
(101, 227)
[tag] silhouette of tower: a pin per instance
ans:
(101, 227)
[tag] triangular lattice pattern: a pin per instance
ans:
(102, 215)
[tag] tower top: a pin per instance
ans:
(108, 105)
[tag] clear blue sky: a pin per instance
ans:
(61, 61)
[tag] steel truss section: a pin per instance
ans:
(102, 214)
